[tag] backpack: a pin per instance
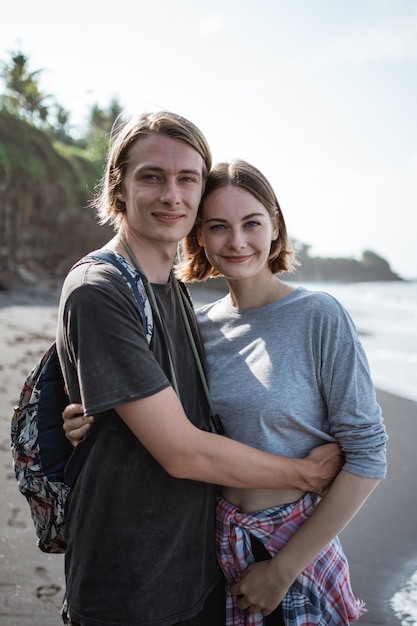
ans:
(42, 456)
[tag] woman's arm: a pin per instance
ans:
(75, 423)
(264, 585)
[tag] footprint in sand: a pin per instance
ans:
(48, 591)
(5, 445)
(14, 520)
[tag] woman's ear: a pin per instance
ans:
(199, 237)
(197, 231)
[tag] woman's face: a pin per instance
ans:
(236, 232)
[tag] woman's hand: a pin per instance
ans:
(261, 588)
(76, 424)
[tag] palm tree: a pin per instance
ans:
(23, 96)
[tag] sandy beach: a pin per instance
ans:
(381, 542)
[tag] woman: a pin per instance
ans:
(286, 372)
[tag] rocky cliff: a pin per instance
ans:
(45, 222)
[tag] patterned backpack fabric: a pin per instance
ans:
(41, 452)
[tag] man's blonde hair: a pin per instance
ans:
(110, 209)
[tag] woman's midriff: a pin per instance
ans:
(251, 500)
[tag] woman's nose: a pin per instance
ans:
(236, 239)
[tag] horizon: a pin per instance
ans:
(320, 96)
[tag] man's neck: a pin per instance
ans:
(155, 260)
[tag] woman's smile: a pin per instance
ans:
(237, 259)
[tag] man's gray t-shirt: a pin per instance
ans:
(140, 543)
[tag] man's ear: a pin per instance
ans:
(275, 228)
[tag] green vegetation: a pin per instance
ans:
(23, 98)
(46, 176)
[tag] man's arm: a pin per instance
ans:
(184, 451)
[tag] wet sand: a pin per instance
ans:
(381, 542)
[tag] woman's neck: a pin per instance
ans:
(253, 293)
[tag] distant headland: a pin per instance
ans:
(371, 267)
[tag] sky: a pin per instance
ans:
(321, 95)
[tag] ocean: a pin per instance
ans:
(385, 316)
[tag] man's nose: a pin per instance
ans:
(170, 192)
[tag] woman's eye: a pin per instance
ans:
(217, 227)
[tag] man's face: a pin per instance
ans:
(162, 189)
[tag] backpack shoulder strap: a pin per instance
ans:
(141, 298)
(186, 292)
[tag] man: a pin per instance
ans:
(140, 518)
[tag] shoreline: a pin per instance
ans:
(381, 542)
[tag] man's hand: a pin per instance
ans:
(76, 423)
(324, 463)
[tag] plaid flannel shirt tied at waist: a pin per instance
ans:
(320, 596)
